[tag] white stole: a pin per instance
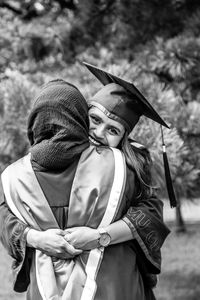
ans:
(26, 200)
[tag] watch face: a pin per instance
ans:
(104, 239)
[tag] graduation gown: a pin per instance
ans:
(126, 268)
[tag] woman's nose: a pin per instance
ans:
(99, 131)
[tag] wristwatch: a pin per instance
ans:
(104, 239)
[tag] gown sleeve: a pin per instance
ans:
(145, 220)
(13, 237)
(149, 231)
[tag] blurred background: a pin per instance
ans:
(154, 44)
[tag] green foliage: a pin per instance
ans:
(15, 101)
(154, 44)
(179, 279)
(175, 65)
(9, 39)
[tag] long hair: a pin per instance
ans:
(139, 161)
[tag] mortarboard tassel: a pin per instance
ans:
(170, 189)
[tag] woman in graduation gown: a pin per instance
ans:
(131, 244)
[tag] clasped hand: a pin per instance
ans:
(84, 238)
(63, 244)
(52, 243)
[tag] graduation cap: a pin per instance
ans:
(122, 101)
(134, 104)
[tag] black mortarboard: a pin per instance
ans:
(134, 103)
(128, 105)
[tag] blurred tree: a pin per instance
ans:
(153, 43)
(15, 101)
(175, 62)
(29, 9)
(121, 25)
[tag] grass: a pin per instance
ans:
(6, 291)
(180, 278)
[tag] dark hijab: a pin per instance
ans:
(58, 125)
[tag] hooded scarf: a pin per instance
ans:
(58, 125)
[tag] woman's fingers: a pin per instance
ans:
(71, 250)
(52, 242)
(67, 236)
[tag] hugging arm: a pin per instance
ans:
(145, 216)
(143, 230)
(141, 223)
(86, 238)
(149, 232)
(14, 234)
(13, 238)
